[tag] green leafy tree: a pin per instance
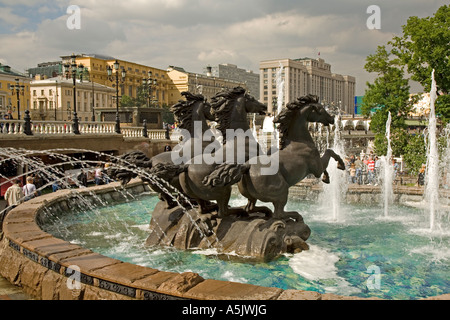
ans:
(126, 101)
(388, 93)
(415, 153)
(167, 115)
(424, 46)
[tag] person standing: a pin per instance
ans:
(98, 176)
(371, 170)
(29, 190)
(352, 172)
(14, 194)
(82, 179)
(377, 170)
(359, 166)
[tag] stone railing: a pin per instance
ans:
(37, 127)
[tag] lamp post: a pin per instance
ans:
(149, 84)
(93, 101)
(74, 68)
(116, 78)
(18, 89)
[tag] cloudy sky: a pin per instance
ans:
(195, 33)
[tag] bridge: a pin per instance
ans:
(95, 136)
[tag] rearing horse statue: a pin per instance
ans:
(298, 157)
(191, 113)
(230, 110)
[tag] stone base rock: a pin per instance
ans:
(255, 237)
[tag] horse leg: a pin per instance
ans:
(326, 177)
(279, 212)
(325, 160)
(331, 154)
(251, 208)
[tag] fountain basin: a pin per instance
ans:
(41, 264)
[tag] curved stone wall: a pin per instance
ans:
(45, 266)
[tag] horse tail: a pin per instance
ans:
(167, 171)
(226, 174)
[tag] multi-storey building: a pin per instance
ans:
(9, 79)
(232, 72)
(52, 99)
(97, 66)
(305, 76)
(207, 85)
(169, 83)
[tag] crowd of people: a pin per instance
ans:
(16, 193)
(367, 171)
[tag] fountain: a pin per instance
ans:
(432, 176)
(251, 247)
(267, 234)
(387, 170)
(332, 195)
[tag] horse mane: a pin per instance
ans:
(284, 118)
(222, 106)
(183, 109)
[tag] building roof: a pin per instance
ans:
(61, 80)
(4, 69)
(99, 56)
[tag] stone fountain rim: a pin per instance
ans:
(27, 242)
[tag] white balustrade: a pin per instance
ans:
(14, 127)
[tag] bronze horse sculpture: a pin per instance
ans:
(298, 157)
(190, 113)
(230, 109)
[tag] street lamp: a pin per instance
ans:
(149, 84)
(122, 79)
(18, 89)
(74, 68)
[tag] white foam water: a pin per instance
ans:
(319, 264)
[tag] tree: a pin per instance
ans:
(388, 93)
(126, 101)
(415, 153)
(424, 46)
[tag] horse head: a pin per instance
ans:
(194, 108)
(254, 106)
(313, 110)
(293, 119)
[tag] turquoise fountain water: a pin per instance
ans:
(341, 259)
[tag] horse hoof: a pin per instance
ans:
(326, 180)
(341, 166)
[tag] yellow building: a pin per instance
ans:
(52, 99)
(10, 79)
(207, 85)
(97, 65)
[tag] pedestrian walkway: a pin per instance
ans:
(9, 291)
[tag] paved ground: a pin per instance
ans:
(11, 292)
